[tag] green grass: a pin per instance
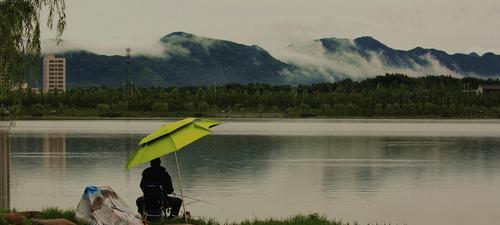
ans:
(312, 219)
(3, 221)
(47, 213)
(52, 213)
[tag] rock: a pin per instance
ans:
(14, 218)
(31, 214)
(52, 222)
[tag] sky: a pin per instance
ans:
(109, 26)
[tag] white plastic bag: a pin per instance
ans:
(102, 206)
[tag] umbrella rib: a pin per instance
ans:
(202, 127)
(173, 142)
(168, 132)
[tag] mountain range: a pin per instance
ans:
(419, 61)
(190, 60)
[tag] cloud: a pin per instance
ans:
(317, 63)
(145, 47)
(168, 47)
(175, 50)
(174, 44)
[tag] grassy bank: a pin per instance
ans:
(313, 219)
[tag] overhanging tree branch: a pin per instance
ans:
(20, 36)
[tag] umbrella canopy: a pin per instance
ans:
(170, 138)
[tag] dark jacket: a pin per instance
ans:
(157, 176)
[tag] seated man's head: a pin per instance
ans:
(156, 162)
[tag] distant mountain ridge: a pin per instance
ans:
(487, 65)
(191, 60)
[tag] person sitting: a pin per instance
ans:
(157, 175)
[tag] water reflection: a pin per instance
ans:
(365, 178)
(4, 168)
(54, 152)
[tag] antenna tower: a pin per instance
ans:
(128, 84)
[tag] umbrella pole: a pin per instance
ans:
(180, 185)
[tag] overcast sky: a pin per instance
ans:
(109, 26)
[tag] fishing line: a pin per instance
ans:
(198, 200)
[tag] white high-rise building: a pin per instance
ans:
(54, 73)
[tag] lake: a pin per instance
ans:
(418, 172)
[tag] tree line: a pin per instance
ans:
(390, 95)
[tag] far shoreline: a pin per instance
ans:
(257, 119)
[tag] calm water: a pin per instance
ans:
(414, 172)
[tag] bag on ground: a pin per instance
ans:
(102, 206)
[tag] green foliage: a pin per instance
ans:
(38, 110)
(121, 106)
(2, 210)
(3, 221)
(160, 107)
(48, 213)
(383, 96)
(312, 219)
(203, 107)
(20, 36)
(305, 110)
(104, 109)
(53, 213)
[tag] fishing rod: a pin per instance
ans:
(198, 200)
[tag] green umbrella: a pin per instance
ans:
(171, 138)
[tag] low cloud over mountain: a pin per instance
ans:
(332, 59)
(185, 59)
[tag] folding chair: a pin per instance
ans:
(153, 203)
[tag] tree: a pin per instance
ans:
(326, 109)
(20, 35)
(160, 107)
(104, 109)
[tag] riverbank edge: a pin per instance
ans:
(243, 117)
(20, 218)
(263, 119)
